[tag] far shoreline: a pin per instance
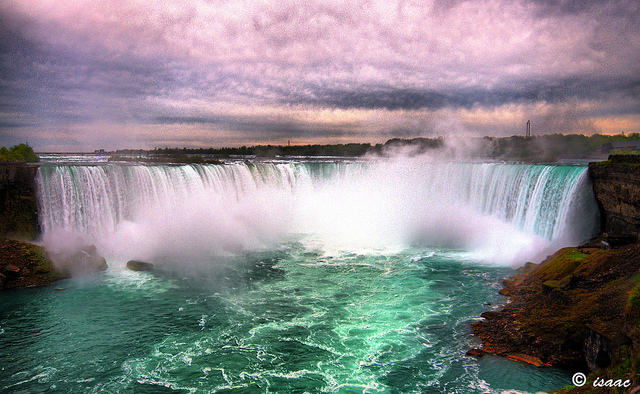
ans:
(544, 148)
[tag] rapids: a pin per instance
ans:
(287, 276)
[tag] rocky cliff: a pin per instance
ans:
(24, 264)
(580, 308)
(18, 201)
(574, 310)
(616, 184)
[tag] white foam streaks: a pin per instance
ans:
(489, 212)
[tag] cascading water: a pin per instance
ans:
(287, 277)
(494, 211)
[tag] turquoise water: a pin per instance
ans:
(291, 320)
(286, 276)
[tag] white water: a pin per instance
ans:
(487, 212)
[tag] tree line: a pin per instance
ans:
(17, 153)
(550, 147)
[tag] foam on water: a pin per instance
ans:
(287, 276)
(277, 321)
(499, 213)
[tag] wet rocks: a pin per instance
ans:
(572, 310)
(135, 265)
(505, 292)
(525, 358)
(491, 315)
(475, 352)
(11, 270)
(79, 260)
(25, 265)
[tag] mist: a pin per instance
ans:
(191, 216)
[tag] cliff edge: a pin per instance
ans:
(580, 308)
(616, 185)
(574, 310)
(18, 201)
(24, 264)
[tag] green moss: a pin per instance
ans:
(634, 295)
(562, 264)
(21, 152)
(551, 283)
(624, 152)
(600, 164)
(574, 254)
(607, 307)
(35, 268)
(605, 163)
(628, 369)
(633, 306)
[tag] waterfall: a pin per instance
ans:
(214, 209)
(94, 199)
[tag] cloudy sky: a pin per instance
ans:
(86, 74)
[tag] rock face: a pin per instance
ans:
(18, 202)
(25, 265)
(616, 184)
(573, 310)
(598, 349)
(475, 352)
(135, 265)
(81, 260)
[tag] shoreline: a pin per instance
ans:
(575, 310)
(580, 308)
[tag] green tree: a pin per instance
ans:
(20, 152)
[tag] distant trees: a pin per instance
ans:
(540, 148)
(21, 152)
(272, 150)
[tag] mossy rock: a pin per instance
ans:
(25, 265)
(101, 263)
(528, 267)
(135, 265)
(600, 164)
(632, 310)
(552, 303)
(549, 285)
(82, 261)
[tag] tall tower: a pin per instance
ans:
(528, 132)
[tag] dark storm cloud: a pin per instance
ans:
(9, 125)
(388, 98)
(554, 91)
(279, 128)
(246, 69)
(618, 8)
(375, 98)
